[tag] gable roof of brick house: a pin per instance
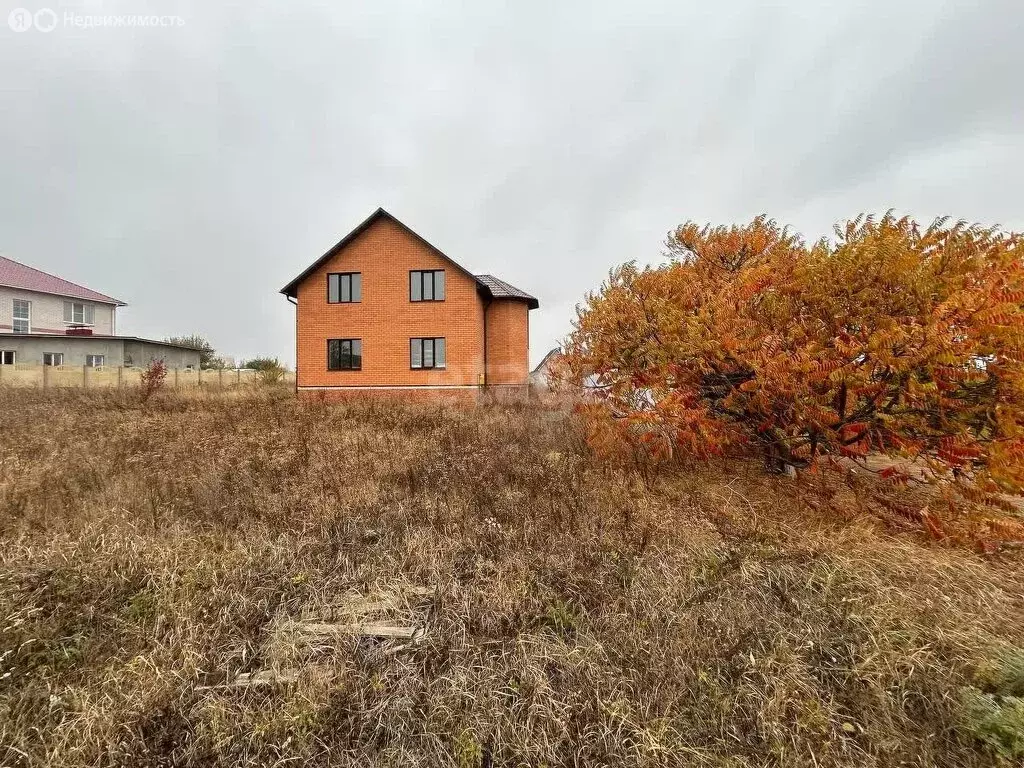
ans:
(488, 285)
(14, 274)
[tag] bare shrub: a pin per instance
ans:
(153, 378)
(271, 375)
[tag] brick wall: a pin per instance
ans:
(47, 312)
(508, 342)
(385, 319)
(448, 395)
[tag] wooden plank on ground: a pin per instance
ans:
(401, 632)
(253, 679)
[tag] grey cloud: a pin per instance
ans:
(193, 171)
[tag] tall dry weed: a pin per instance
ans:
(577, 613)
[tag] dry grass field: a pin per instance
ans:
(227, 581)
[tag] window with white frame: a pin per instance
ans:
(53, 358)
(22, 316)
(7, 357)
(77, 313)
(94, 361)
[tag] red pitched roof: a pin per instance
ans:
(14, 274)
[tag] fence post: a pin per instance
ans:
(175, 378)
(85, 377)
(238, 375)
(220, 378)
(120, 376)
(46, 376)
(199, 374)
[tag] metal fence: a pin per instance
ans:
(45, 376)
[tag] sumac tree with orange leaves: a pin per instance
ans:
(892, 338)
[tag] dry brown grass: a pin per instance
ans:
(578, 615)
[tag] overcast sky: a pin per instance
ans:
(192, 170)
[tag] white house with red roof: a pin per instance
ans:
(47, 320)
(33, 301)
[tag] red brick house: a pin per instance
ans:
(384, 310)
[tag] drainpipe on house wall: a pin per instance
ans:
(296, 303)
(483, 376)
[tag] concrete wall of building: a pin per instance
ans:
(29, 350)
(47, 312)
(142, 353)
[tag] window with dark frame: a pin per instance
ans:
(427, 352)
(53, 358)
(8, 357)
(426, 285)
(344, 287)
(95, 361)
(344, 354)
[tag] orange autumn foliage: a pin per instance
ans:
(892, 339)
